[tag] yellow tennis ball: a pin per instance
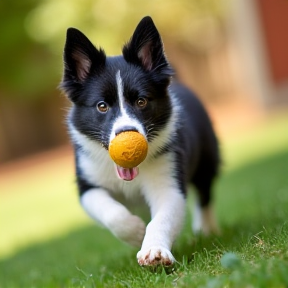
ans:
(128, 149)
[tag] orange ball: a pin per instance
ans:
(128, 149)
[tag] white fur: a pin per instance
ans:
(102, 207)
(204, 220)
(168, 133)
(167, 206)
(120, 92)
(124, 119)
(155, 182)
(197, 218)
(99, 169)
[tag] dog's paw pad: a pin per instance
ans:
(155, 256)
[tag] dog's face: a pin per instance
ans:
(115, 94)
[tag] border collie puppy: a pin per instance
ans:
(136, 92)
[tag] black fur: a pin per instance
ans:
(89, 78)
(196, 146)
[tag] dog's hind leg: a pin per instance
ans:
(204, 220)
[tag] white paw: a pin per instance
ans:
(131, 229)
(156, 255)
(204, 221)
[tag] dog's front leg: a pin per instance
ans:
(167, 209)
(99, 204)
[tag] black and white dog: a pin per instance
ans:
(135, 91)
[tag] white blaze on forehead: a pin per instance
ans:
(125, 118)
(120, 92)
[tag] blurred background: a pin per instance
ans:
(232, 53)
(229, 52)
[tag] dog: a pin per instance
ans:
(137, 92)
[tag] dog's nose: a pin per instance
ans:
(125, 128)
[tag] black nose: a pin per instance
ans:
(125, 128)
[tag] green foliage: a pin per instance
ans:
(33, 33)
(111, 22)
(26, 69)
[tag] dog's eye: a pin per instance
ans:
(102, 107)
(141, 102)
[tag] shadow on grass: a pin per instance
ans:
(249, 199)
(71, 259)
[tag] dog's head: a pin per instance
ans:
(122, 93)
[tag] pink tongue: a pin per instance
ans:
(127, 174)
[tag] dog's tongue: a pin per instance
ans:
(127, 174)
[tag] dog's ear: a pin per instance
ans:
(145, 48)
(81, 58)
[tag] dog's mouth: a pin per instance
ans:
(127, 174)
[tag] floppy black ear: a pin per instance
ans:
(145, 48)
(81, 58)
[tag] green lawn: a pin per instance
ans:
(47, 241)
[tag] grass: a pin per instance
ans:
(47, 241)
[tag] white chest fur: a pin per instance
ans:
(100, 170)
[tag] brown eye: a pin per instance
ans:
(102, 107)
(141, 102)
